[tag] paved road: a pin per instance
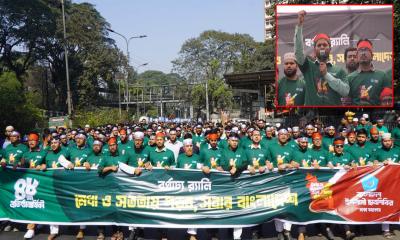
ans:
(372, 232)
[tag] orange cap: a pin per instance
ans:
(351, 134)
(33, 137)
(374, 131)
(316, 135)
(112, 140)
(160, 134)
(212, 136)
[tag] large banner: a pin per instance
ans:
(345, 25)
(189, 198)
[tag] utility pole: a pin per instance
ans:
(69, 100)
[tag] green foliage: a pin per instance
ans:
(35, 27)
(220, 95)
(215, 53)
(99, 116)
(18, 109)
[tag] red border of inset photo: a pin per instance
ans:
(280, 107)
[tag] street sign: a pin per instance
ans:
(61, 121)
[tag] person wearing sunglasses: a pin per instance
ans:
(340, 158)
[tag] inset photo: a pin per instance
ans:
(334, 56)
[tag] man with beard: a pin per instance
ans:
(108, 165)
(211, 155)
(302, 155)
(340, 158)
(140, 153)
(350, 58)
(234, 158)
(388, 153)
(124, 145)
(291, 88)
(160, 156)
(396, 133)
(325, 83)
(34, 158)
(7, 141)
(280, 153)
(367, 83)
(319, 154)
(351, 141)
(52, 162)
(14, 151)
(188, 160)
(360, 151)
(327, 140)
(374, 143)
(256, 154)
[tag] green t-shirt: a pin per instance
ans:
(245, 142)
(139, 156)
(366, 87)
(52, 158)
(396, 136)
(279, 154)
(256, 156)
(94, 159)
(14, 153)
(291, 92)
(208, 154)
(34, 158)
(236, 158)
(320, 155)
(188, 162)
(317, 90)
(382, 154)
(340, 159)
(165, 157)
(300, 155)
(360, 153)
(327, 142)
(112, 160)
(79, 155)
(374, 145)
(125, 148)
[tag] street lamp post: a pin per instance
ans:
(137, 93)
(127, 40)
(69, 100)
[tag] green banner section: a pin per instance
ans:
(184, 198)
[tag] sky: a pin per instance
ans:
(168, 23)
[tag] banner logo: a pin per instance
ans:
(25, 190)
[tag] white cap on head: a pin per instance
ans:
(10, 128)
(138, 135)
(278, 125)
(14, 133)
(355, 119)
(187, 141)
(289, 56)
(80, 135)
(235, 129)
(386, 136)
(87, 126)
(97, 142)
(296, 129)
(282, 131)
(365, 116)
(114, 128)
